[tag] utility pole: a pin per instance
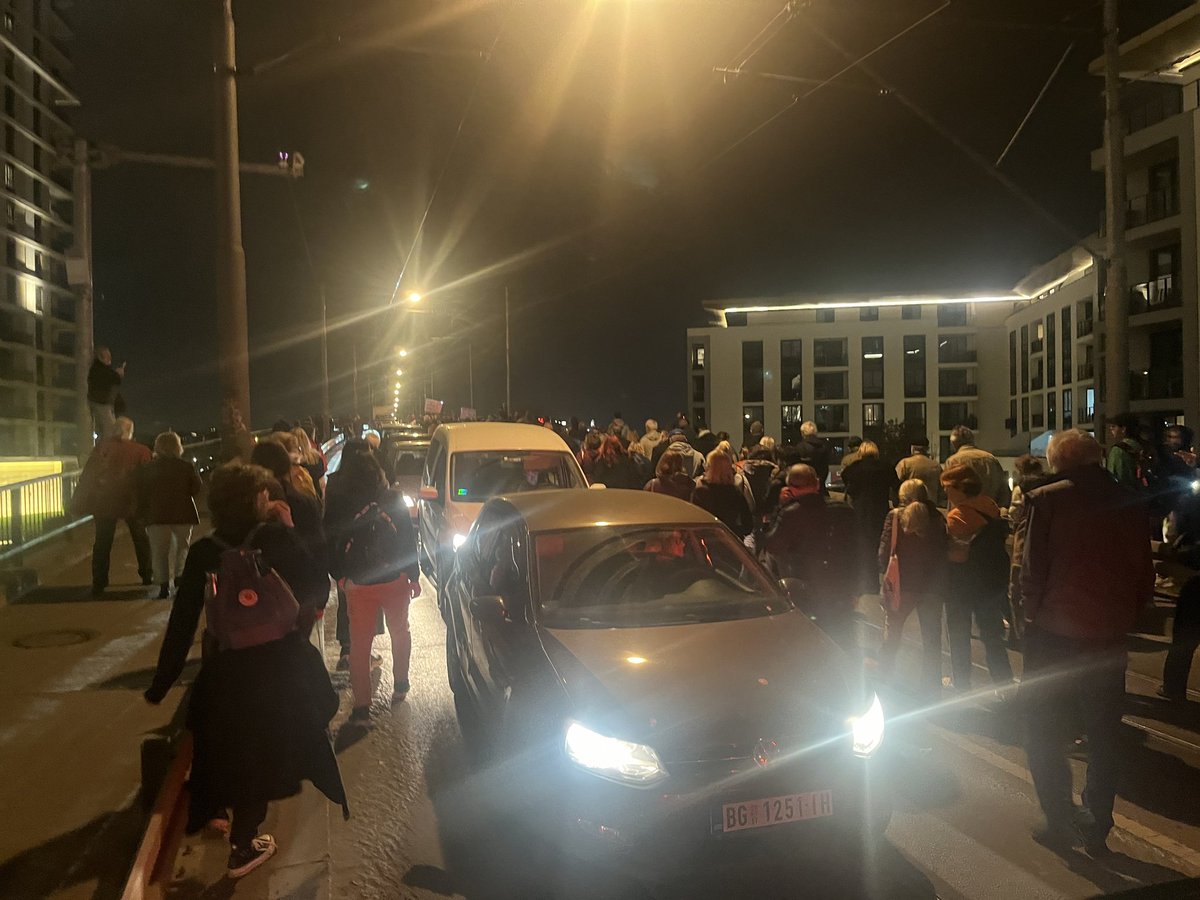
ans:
(507, 360)
(81, 254)
(326, 409)
(233, 350)
(1116, 306)
(470, 375)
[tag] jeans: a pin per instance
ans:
(364, 602)
(988, 611)
(244, 826)
(104, 418)
(168, 549)
(929, 614)
(1067, 681)
(106, 530)
(1185, 638)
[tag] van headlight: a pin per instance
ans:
(867, 729)
(458, 540)
(613, 758)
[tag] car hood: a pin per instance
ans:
(709, 690)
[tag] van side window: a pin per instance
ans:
(435, 468)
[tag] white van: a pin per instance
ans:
(470, 462)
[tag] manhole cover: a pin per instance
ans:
(41, 639)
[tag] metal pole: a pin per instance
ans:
(471, 374)
(354, 358)
(507, 359)
(233, 350)
(1116, 306)
(84, 335)
(325, 404)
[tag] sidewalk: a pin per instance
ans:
(76, 738)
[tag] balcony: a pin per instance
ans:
(831, 361)
(1037, 345)
(950, 355)
(1145, 208)
(1085, 371)
(1162, 383)
(1154, 111)
(1151, 296)
(955, 384)
(1084, 327)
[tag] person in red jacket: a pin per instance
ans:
(1086, 573)
(107, 491)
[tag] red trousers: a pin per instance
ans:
(363, 602)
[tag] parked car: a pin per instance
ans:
(470, 462)
(650, 690)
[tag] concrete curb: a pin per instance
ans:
(147, 877)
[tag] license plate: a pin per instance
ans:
(775, 811)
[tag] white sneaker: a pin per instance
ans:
(245, 860)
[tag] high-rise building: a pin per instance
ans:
(37, 307)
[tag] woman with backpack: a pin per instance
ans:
(261, 706)
(914, 533)
(374, 559)
(978, 577)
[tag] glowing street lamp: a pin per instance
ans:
(402, 353)
(413, 297)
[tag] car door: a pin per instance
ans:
(432, 511)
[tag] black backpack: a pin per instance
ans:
(987, 559)
(373, 551)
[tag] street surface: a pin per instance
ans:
(73, 727)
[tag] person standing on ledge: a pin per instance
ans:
(103, 381)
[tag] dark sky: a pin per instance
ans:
(591, 175)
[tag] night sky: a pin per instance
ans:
(591, 174)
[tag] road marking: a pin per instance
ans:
(1179, 853)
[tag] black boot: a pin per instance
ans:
(164, 591)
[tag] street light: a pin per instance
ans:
(403, 353)
(414, 297)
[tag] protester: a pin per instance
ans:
(853, 443)
(297, 475)
(1126, 455)
(869, 483)
(260, 707)
(991, 474)
(339, 513)
(670, 477)
(693, 462)
(716, 492)
(640, 462)
(1029, 475)
(107, 491)
(919, 465)
(591, 449)
(978, 578)
(918, 531)
(753, 439)
(1086, 574)
(813, 540)
(705, 442)
(375, 561)
(651, 439)
(1181, 563)
(167, 488)
(304, 513)
(311, 460)
(103, 381)
(613, 468)
(758, 470)
(814, 452)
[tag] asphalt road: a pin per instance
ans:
(961, 829)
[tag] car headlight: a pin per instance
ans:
(867, 729)
(458, 540)
(408, 501)
(613, 758)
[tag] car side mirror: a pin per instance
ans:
(429, 492)
(489, 609)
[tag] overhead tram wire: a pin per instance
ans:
(824, 82)
(462, 120)
(1036, 101)
(763, 37)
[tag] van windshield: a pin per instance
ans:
(479, 475)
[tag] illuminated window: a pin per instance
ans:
(698, 356)
(10, 175)
(29, 296)
(791, 415)
(872, 367)
(872, 415)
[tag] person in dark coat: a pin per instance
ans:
(813, 452)
(306, 514)
(107, 491)
(167, 489)
(258, 715)
(670, 477)
(813, 540)
(1086, 575)
(870, 483)
(716, 492)
(612, 466)
(758, 471)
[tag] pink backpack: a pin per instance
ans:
(246, 602)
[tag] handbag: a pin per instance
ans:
(891, 576)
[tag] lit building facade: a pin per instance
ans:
(37, 308)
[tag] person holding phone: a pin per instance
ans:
(104, 379)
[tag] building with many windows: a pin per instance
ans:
(37, 308)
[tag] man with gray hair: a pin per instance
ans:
(652, 438)
(813, 451)
(107, 491)
(984, 464)
(1086, 573)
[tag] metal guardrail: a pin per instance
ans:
(35, 511)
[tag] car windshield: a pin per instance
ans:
(479, 475)
(643, 576)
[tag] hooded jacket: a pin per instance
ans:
(693, 462)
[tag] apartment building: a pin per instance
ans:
(1161, 102)
(37, 308)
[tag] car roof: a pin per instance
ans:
(499, 436)
(553, 510)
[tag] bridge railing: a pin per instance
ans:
(35, 511)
